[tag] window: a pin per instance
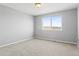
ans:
(52, 23)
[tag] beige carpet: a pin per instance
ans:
(37, 47)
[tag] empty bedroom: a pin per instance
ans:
(39, 29)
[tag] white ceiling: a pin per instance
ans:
(29, 8)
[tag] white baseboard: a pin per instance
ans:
(38, 38)
(57, 40)
(16, 42)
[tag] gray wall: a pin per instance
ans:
(14, 25)
(69, 27)
(78, 24)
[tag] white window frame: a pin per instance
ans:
(52, 28)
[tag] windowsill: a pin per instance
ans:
(53, 29)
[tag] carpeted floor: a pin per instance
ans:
(37, 47)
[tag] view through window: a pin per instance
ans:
(52, 23)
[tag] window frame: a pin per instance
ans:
(51, 27)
